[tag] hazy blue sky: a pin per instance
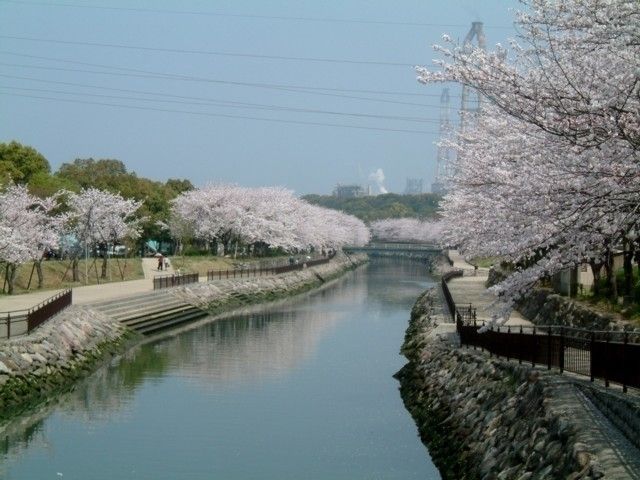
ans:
(170, 108)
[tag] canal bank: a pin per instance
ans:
(298, 388)
(36, 367)
(487, 418)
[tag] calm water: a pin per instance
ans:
(301, 389)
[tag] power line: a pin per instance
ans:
(222, 115)
(300, 87)
(221, 103)
(251, 16)
(207, 52)
(165, 76)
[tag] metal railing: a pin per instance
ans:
(35, 316)
(447, 294)
(174, 280)
(608, 355)
(612, 356)
(261, 271)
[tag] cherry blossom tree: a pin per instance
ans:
(267, 216)
(548, 175)
(407, 230)
(100, 219)
(28, 228)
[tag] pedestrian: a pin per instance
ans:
(160, 262)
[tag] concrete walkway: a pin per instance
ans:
(471, 289)
(150, 268)
(90, 293)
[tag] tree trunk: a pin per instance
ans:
(11, 277)
(39, 273)
(628, 267)
(596, 268)
(103, 273)
(611, 276)
(74, 269)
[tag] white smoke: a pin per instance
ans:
(378, 177)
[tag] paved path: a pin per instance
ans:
(617, 456)
(471, 289)
(150, 268)
(90, 293)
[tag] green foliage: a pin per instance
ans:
(19, 163)
(389, 205)
(112, 175)
(43, 184)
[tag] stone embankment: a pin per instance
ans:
(544, 307)
(224, 295)
(35, 367)
(486, 418)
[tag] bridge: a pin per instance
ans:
(388, 248)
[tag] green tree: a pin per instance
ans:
(20, 163)
(378, 207)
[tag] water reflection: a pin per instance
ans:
(330, 352)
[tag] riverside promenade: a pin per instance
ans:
(615, 454)
(471, 289)
(91, 293)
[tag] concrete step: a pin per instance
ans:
(161, 320)
(123, 311)
(135, 302)
(138, 318)
(148, 313)
(141, 297)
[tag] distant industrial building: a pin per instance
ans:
(415, 186)
(351, 191)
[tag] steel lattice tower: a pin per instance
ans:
(444, 153)
(471, 98)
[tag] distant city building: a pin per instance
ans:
(415, 186)
(439, 188)
(350, 191)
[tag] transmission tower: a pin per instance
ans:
(443, 164)
(471, 98)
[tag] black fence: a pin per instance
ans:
(37, 315)
(451, 305)
(174, 280)
(261, 271)
(612, 356)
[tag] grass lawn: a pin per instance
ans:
(57, 273)
(54, 273)
(202, 264)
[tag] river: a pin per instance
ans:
(300, 389)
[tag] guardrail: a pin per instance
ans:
(608, 355)
(260, 271)
(612, 356)
(35, 316)
(447, 294)
(174, 280)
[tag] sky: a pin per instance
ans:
(302, 94)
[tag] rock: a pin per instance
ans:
(4, 369)
(27, 358)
